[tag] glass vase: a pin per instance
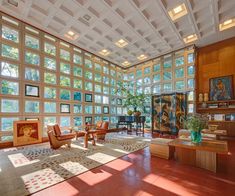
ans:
(196, 137)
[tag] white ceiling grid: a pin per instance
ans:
(144, 24)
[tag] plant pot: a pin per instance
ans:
(196, 137)
(137, 113)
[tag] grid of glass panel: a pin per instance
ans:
(58, 77)
(170, 73)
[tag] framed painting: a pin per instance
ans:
(31, 90)
(88, 119)
(106, 109)
(88, 97)
(64, 108)
(26, 132)
(221, 88)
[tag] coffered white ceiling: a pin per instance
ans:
(144, 24)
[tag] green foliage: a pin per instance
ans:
(131, 100)
(196, 122)
(10, 52)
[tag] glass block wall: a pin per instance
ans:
(173, 72)
(42, 77)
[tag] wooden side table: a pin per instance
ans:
(90, 133)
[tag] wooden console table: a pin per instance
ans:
(203, 155)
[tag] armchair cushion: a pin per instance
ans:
(57, 130)
(66, 137)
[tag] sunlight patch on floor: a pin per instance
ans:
(101, 157)
(119, 164)
(19, 160)
(73, 167)
(94, 177)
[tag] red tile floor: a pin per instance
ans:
(139, 173)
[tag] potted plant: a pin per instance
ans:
(195, 123)
(129, 112)
(131, 100)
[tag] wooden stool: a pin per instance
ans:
(159, 147)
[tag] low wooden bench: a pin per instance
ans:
(160, 147)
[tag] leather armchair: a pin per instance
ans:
(101, 129)
(56, 138)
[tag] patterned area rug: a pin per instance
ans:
(28, 169)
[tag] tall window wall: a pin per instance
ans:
(174, 72)
(42, 77)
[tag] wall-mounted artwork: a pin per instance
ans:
(88, 97)
(32, 91)
(26, 132)
(64, 108)
(88, 119)
(106, 109)
(221, 88)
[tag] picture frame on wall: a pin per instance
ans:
(26, 132)
(106, 109)
(31, 90)
(88, 119)
(88, 97)
(221, 88)
(64, 108)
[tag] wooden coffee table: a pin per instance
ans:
(203, 155)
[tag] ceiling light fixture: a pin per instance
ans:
(227, 24)
(104, 52)
(121, 43)
(71, 35)
(125, 63)
(190, 38)
(178, 12)
(141, 57)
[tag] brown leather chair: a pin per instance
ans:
(56, 138)
(101, 129)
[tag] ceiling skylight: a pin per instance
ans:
(190, 38)
(104, 52)
(178, 12)
(125, 63)
(121, 43)
(71, 35)
(227, 24)
(142, 57)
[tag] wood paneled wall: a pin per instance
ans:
(213, 61)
